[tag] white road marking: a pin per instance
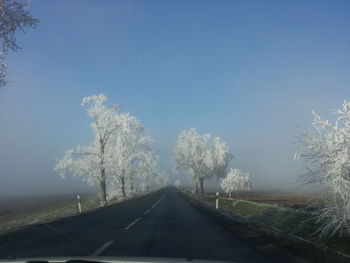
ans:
(147, 212)
(158, 201)
(102, 248)
(132, 223)
(138, 219)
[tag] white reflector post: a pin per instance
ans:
(79, 203)
(217, 200)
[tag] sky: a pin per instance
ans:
(249, 72)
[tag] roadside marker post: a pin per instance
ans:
(217, 200)
(79, 203)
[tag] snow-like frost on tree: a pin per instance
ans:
(177, 183)
(127, 148)
(87, 168)
(119, 156)
(326, 155)
(89, 162)
(148, 168)
(161, 179)
(13, 17)
(200, 157)
(236, 181)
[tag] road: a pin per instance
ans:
(162, 224)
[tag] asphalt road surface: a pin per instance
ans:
(162, 224)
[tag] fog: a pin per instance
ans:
(253, 83)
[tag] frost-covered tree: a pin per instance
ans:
(235, 181)
(161, 179)
(147, 168)
(81, 163)
(326, 155)
(126, 149)
(190, 152)
(14, 16)
(119, 155)
(218, 158)
(177, 183)
(200, 157)
(89, 162)
(142, 188)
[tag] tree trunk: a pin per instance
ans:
(122, 182)
(201, 184)
(196, 188)
(103, 175)
(103, 190)
(131, 184)
(229, 195)
(122, 179)
(147, 184)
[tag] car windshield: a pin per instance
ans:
(173, 130)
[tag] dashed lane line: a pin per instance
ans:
(138, 219)
(132, 223)
(102, 248)
(147, 211)
(158, 201)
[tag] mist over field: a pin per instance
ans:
(251, 80)
(184, 130)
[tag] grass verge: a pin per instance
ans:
(50, 213)
(9, 223)
(291, 222)
(287, 219)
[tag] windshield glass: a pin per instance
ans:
(175, 130)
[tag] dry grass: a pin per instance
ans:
(278, 211)
(20, 212)
(19, 218)
(296, 201)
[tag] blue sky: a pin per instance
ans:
(247, 71)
